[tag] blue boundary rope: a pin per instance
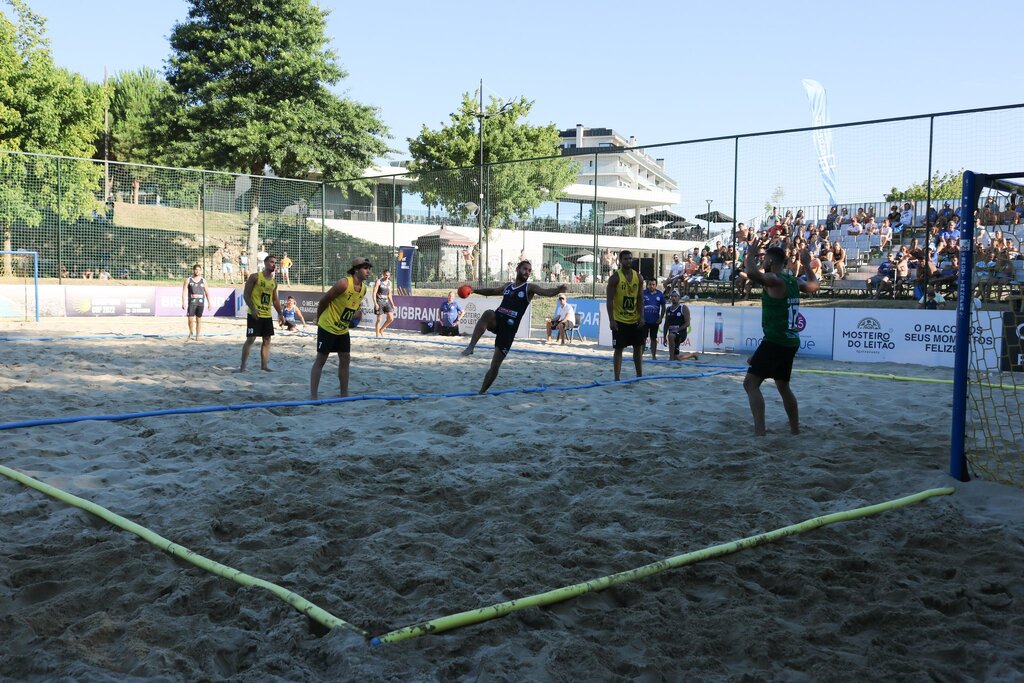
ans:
(328, 401)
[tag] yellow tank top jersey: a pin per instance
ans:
(342, 309)
(624, 305)
(263, 295)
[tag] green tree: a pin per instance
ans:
(254, 80)
(140, 104)
(947, 185)
(777, 196)
(43, 110)
(510, 189)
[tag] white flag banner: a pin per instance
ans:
(822, 138)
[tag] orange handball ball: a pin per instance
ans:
(465, 291)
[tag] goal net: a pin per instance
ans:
(19, 288)
(988, 415)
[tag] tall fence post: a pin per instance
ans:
(60, 231)
(394, 208)
(202, 213)
(593, 212)
(323, 236)
(735, 210)
(928, 205)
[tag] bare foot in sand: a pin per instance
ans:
(468, 351)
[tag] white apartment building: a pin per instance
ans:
(628, 180)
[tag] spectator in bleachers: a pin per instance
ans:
(906, 216)
(855, 228)
(692, 283)
(844, 218)
(931, 300)
(999, 241)
(884, 275)
(777, 228)
(885, 234)
(742, 233)
(946, 212)
(947, 271)
(931, 215)
(952, 230)
(104, 275)
(870, 226)
(675, 273)
(839, 258)
(799, 220)
(998, 272)
(832, 219)
(862, 217)
(894, 215)
(926, 271)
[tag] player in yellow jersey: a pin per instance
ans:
(334, 314)
(260, 296)
(623, 306)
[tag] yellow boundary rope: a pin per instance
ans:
(453, 621)
(901, 378)
(501, 609)
(298, 602)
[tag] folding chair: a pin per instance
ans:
(575, 330)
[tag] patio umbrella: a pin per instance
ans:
(677, 225)
(661, 216)
(620, 221)
(715, 216)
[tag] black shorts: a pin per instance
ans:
(680, 333)
(328, 343)
(651, 330)
(290, 324)
(385, 307)
(504, 332)
(195, 308)
(258, 327)
(628, 334)
(449, 331)
(773, 361)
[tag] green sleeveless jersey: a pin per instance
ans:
(779, 316)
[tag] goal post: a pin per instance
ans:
(35, 277)
(987, 431)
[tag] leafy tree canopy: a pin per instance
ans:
(44, 110)
(253, 77)
(947, 185)
(510, 189)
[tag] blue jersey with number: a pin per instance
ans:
(653, 301)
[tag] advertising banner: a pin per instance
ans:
(590, 311)
(403, 270)
(168, 301)
(97, 301)
(738, 330)
(306, 301)
(410, 311)
(694, 336)
(18, 301)
(901, 336)
(1011, 351)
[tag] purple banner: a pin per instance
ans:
(113, 300)
(168, 301)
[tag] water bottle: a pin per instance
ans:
(719, 329)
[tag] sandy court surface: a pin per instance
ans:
(388, 512)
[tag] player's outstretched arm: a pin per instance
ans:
(546, 291)
(489, 291)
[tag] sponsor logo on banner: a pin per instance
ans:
(100, 301)
(1011, 354)
(869, 337)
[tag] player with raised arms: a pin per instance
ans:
(504, 321)
(334, 315)
(780, 320)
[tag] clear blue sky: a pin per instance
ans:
(662, 71)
